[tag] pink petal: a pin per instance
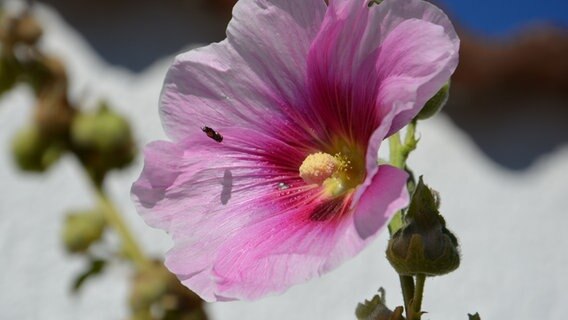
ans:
(274, 37)
(254, 78)
(418, 54)
(382, 198)
(398, 53)
(162, 166)
(419, 58)
(237, 234)
(202, 192)
(384, 189)
(271, 255)
(278, 247)
(174, 173)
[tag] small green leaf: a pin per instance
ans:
(96, 267)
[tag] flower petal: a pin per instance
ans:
(202, 192)
(274, 37)
(257, 259)
(255, 77)
(418, 58)
(162, 167)
(381, 199)
(174, 173)
(244, 224)
(398, 53)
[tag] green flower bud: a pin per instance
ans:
(102, 141)
(32, 151)
(107, 134)
(424, 245)
(104, 130)
(435, 104)
(82, 229)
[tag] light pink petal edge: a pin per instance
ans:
(247, 79)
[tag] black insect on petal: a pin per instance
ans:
(212, 134)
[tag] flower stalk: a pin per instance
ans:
(407, 285)
(399, 152)
(412, 292)
(417, 299)
(115, 220)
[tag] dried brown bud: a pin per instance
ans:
(54, 114)
(27, 30)
(376, 309)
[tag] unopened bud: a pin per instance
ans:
(104, 130)
(424, 245)
(33, 152)
(435, 104)
(105, 136)
(82, 229)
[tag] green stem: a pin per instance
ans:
(410, 140)
(395, 148)
(399, 152)
(114, 219)
(418, 293)
(407, 285)
(398, 155)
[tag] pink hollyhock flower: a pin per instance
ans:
(283, 184)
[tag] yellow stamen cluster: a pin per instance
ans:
(318, 167)
(331, 172)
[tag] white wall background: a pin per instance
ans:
(512, 226)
